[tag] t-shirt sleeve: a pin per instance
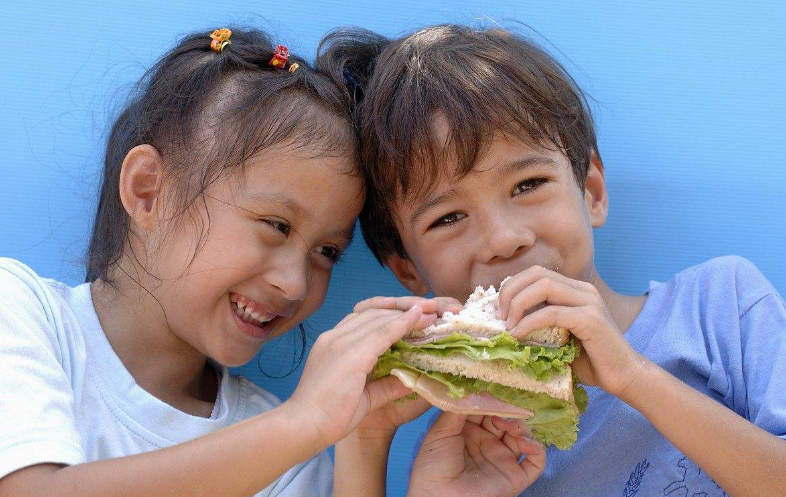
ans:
(763, 332)
(37, 423)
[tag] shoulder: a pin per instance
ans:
(21, 289)
(726, 279)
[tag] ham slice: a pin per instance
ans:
(436, 393)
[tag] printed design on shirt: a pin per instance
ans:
(685, 486)
(634, 481)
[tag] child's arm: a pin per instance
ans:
(331, 399)
(361, 458)
(239, 460)
(741, 457)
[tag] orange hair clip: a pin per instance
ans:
(220, 39)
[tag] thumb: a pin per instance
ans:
(448, 424)
(383, 391)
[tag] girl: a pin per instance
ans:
(230, 190)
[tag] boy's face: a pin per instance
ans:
(520, 206)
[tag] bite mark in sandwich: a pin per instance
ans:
(470, 364)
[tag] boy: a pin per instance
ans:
(481, 161)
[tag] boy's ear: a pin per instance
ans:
(407, 274)
(140, 185)
(595, 194)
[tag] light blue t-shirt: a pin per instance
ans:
(721, 328)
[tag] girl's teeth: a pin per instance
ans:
(245, 313)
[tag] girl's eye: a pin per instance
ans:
(529, 185)
(448, 220)
(332, 253)
(279, 225)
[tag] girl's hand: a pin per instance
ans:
(464, 456)
(382, 423)
(332, 397)
(607, 359)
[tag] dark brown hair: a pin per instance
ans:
(207, 113)
(481, 81)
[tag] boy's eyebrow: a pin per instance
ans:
(432, 202)
(526, 163)
(503, 170)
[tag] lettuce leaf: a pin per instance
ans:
(533, 360)
(555, 421)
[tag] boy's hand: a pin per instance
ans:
(463, 456)
(607, 359)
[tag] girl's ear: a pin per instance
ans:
(140, 185)
(595, 195)
(407, 274)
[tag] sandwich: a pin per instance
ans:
(469, 363)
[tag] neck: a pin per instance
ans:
(160, 362)
(623, 308)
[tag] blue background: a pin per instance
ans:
(690, 104)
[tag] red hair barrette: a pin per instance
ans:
(281, 58)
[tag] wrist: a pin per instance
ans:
(641, 381)
(369, 442)
(305, 431)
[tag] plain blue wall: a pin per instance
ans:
(690, 108)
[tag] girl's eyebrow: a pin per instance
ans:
(279, 198)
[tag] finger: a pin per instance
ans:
(489, 452)
(396, 303)
(512, 444)
(535, 461)
(437, 305)
(551, 315)
(447, 304)
(516, 284)
(377, 336)
(384, 391)
(475, 418)
(425, 320)
(354, 320)
(490, 426)
(546, 291)
(448, 424)
(516, 427)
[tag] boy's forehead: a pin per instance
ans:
(501, 153)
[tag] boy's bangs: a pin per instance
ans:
(455, 88)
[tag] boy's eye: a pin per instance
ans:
(448, 220)
(528, 185)
(279, 225)
(333, 254)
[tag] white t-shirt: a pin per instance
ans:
(65, 396)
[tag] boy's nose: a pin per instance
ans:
(504, 240)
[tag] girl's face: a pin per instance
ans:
(274, 233)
